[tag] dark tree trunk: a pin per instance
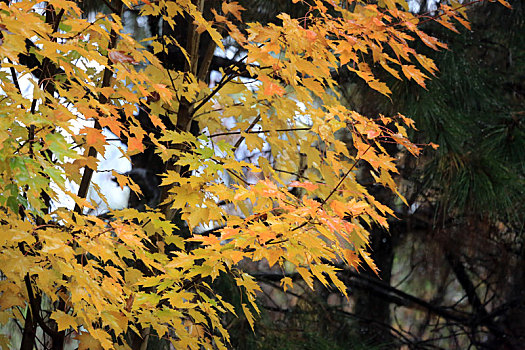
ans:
(150, 163)
(372, 310)
(29, 332)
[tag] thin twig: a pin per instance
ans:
(433, 18)
(323, 202)
(241, 139)
(257, 132)
(225, 80)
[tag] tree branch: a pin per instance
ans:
(381, 289)
(35, 310)
(106, 80)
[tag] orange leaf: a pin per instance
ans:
(157, 121)
(135, 145)
(94, 138)
(311, 35)
(430, 41)
(339, 208)
(505, 3)
(372, 134)
(163, 92)
(427, 63)
(306, 185)
(112, 123)
(444, 21)
(270, 88)
(433, 145)
(411, 72)
(234, 8)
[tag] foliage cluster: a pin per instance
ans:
(105, 281)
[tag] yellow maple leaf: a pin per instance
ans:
(249, 315)
(87, 342)
(64, 321)
(286, 282)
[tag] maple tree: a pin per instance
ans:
(98, 280)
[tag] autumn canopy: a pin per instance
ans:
(68, 77)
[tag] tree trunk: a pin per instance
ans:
(29, 332)
(374, 312)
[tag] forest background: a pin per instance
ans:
(276, 127)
